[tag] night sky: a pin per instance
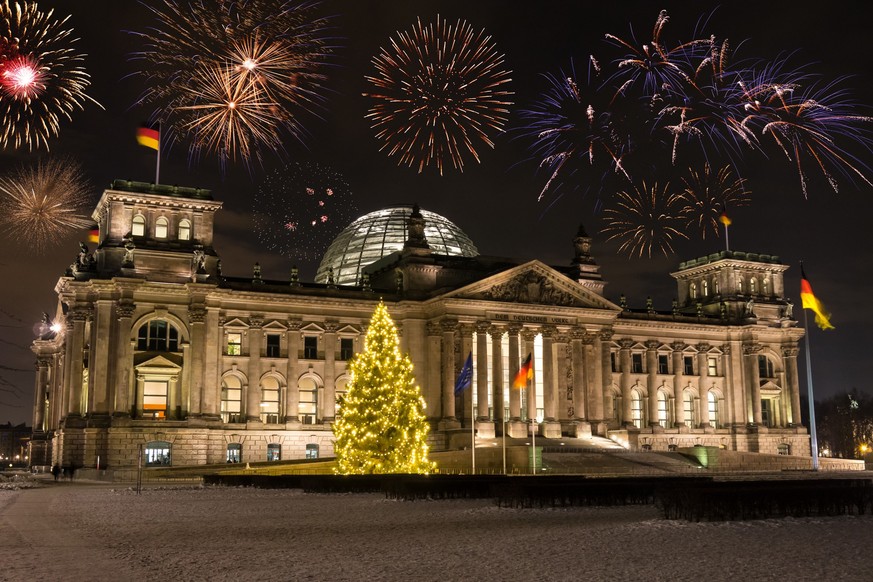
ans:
(494, 202)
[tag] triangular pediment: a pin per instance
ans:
(769, 386)
(236, 322)
(533, 283)
(348, 330)
(275, 326)
(312, 328)
(159, 363)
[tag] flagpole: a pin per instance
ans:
(158, 169)
(473, 432)
(727, 244)
(504, 440)
(533, 455)
(813, 439)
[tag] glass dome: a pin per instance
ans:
(380, 233)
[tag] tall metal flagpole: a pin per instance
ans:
(158, 169)
(504, 441)
(813, 439)
(473, 430)
(533, 452)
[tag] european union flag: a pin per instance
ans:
(465, 378)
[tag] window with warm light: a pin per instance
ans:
(138, 226)
(712, 366)
(636, 409)
(154, 399)
(753, 286)
(311, 451)
(231, 399)
(184, 229)
(308, 403)
(274, 452)
(688, 408)
(234, 453)
(270, 400)
(234, 344)
(157, 454)
(162, 227)
(712, 398)
(663, 412)
(692, 291)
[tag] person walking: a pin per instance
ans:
(56, 471)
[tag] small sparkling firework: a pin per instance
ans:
(267, 54)
(438, 92)
(707, 195)
(299, 209)
(646, 219)
(42, 79)
(42, 203)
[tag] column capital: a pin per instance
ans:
(703, 347)
(562, 338)
(433, 328)
(449, 325)
(726, 349)
(43, 361)
(626, 343)
(589, 338)
(789, 351)
(483, 326)
(678, 346)
(197, 313)
(577, 333)
(751, 349)
(652, 345)
(514, 329)
(256, 321)
(294, 323)
(548, 331)
(467, 329)
(331, 325)
(606, 334)
(496, 332)
(80, 313)
(528, 334)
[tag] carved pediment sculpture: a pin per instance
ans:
(531, 287)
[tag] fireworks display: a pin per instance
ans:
(42, 203)
(42, 78)
(232, 78)
(707, 195)
(298, 210)
(646, 219)
(663, 107)
(438, 93)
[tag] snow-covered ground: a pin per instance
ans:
(89, 531)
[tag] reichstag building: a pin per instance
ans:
(151, 348)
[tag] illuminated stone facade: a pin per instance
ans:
(153, 348)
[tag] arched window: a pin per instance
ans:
(715, 288)
(663, 413)
(713, 409)
(138, 226)
(765, 286)
(231, 399)
(270, 400)
(753, 286)
(705, 288)
(274, 452)
(308, 404)
(688, 408)
(636, 409)
(158, 335)
(161, 227)
(739, 285)
(184, 229)
(234, 453)
(692, 291)
(157, 454)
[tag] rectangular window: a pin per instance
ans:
(234, 344)
(688, 362)
(310, 347)
(273, 343)
(637, 363)
(269, 405)
(274, 452)
(347, 348)
(688, 407)
(614, 361)
(663, 365)
(231, 399)
(765, 367)
(154, 399)
(712, 366)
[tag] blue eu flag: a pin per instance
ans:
(465, 378)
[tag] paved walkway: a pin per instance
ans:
(38, 545)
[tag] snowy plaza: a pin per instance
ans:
(91, 531)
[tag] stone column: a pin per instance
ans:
(625, 360)
(100, 352)
(449, 326)
(329, 407)
(253, 390)
(465, 399)
(702, 386)
(529, 335)
(76, 319)
(678, 383)
(606, 373)
(210, 403)
(433, 389)
(580, 380)
(789, 360)
(482, 328)
(124, 359)
(497, 372)
(550, 389)
(197, 323)
(750, 354)
(652, 381)
(292, 392)
(596, 385)
(39, 392)
(514, 362)
(734, 379)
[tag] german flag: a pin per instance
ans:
(94, 234)
(810, 301)
(148, 137)
(524, 374)
(724, 219)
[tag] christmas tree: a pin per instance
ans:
(380, 425)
